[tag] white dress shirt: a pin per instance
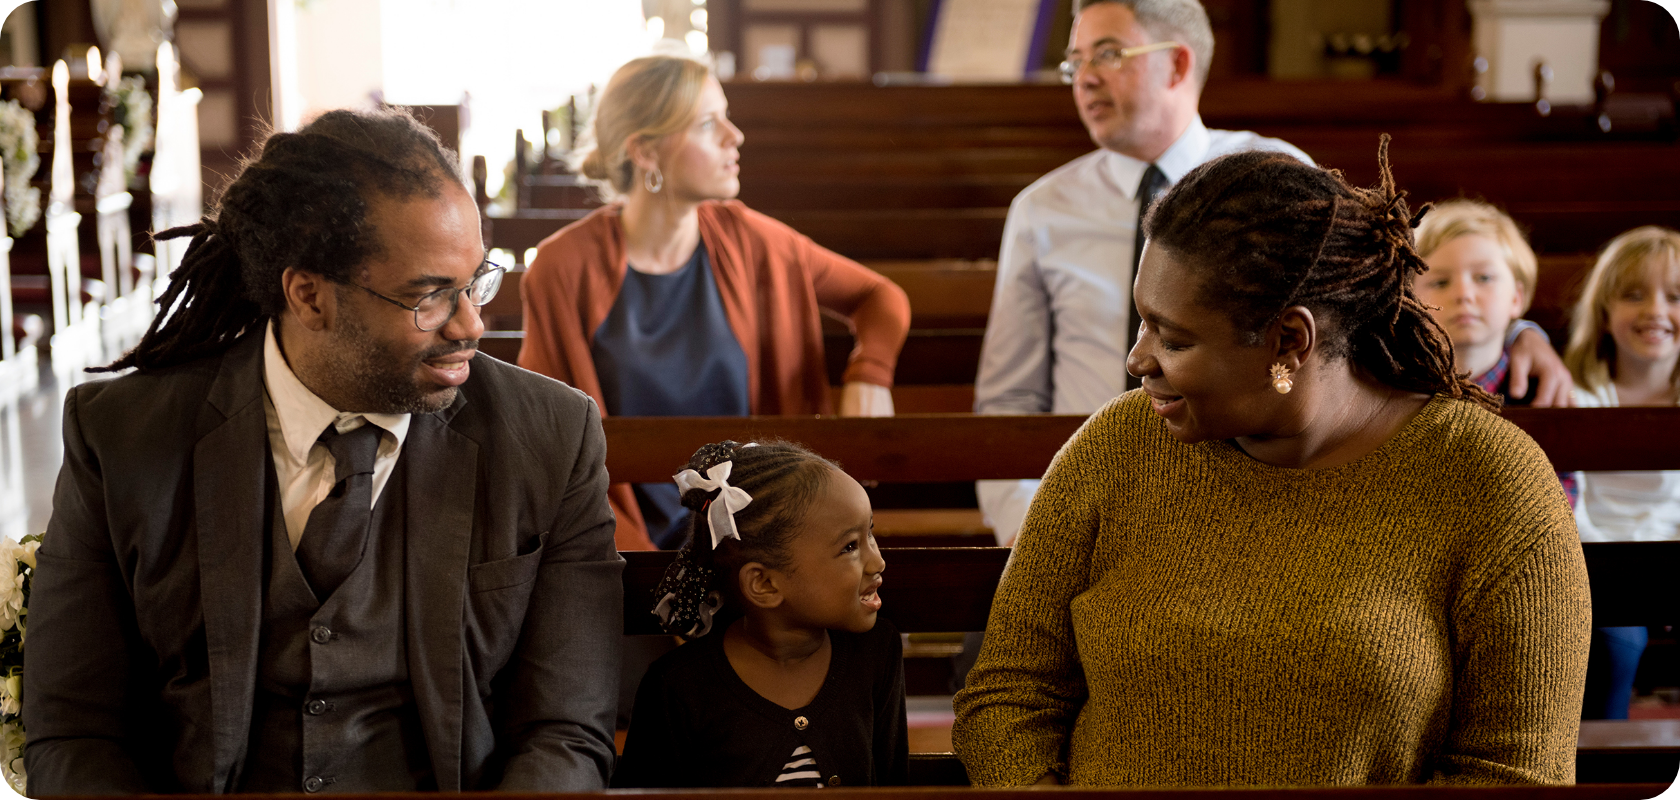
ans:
(1056, 338)
(296, 418)
(1633, 506)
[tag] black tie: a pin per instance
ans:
(337, 530)
(1154, 182)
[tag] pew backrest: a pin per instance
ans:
(950, 589)
(947, 589)
(931, 448)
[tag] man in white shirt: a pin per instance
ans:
(1056, 340)
(1061, 319)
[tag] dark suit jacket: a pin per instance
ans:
(145, 611)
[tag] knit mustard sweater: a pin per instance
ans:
(1185, 615)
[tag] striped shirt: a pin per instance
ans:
(801, 769)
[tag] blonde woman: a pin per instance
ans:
(1624, 350)
(675, 299)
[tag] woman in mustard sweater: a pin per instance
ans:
(1305, 552)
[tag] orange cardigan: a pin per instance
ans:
(774, 282)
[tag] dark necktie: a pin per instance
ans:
(1154, 182)
(337, 530)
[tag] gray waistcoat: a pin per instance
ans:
(334, 709)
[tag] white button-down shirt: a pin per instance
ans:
(1056, 338)
(296, 418)
(1634, 506)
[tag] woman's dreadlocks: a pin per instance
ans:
(1266, 232)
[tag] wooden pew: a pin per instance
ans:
(900, 172)
(950, 300)
(812, 154)
(950, 589)
(1039, 112)
(1630, 791)
(931, 448)
(1591, 197)
(1577, 202)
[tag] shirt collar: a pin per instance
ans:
(303, 415)
(1493, 380)
(1185, 154)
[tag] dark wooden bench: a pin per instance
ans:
(950, 300)
(813, 151)
(950, 588)
(928, 171)
(1634, 791)
(978, 113)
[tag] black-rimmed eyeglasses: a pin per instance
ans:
(435, 309)
(1109, 58)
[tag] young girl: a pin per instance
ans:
(1623, 350)
(789, 679)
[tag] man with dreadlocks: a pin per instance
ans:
(311, 543)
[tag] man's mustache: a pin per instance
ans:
(449, 349)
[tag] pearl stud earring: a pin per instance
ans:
(1280, 379)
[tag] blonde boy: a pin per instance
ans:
(1481, 278)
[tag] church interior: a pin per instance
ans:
(895, 133)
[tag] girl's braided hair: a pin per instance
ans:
(783, 479)
(301, 202)
(1266, 232)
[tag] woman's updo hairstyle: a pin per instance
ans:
(648, 98)
(1265, 232)
(783, 479)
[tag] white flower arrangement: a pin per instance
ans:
(17, 570)
(19, 147)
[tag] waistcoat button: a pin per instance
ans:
(834, 780)
(316, 707)
(801, 723)
(321, 634)
(313, 783)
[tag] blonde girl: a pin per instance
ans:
(1624, 350)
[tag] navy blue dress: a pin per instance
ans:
(666, 350)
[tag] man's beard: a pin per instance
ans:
(383, 381)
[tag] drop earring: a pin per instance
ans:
(1280, 379)
(653, 180)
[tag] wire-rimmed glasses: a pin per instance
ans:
(1110, 58)
(435, 309)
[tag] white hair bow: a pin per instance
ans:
(720, 515)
